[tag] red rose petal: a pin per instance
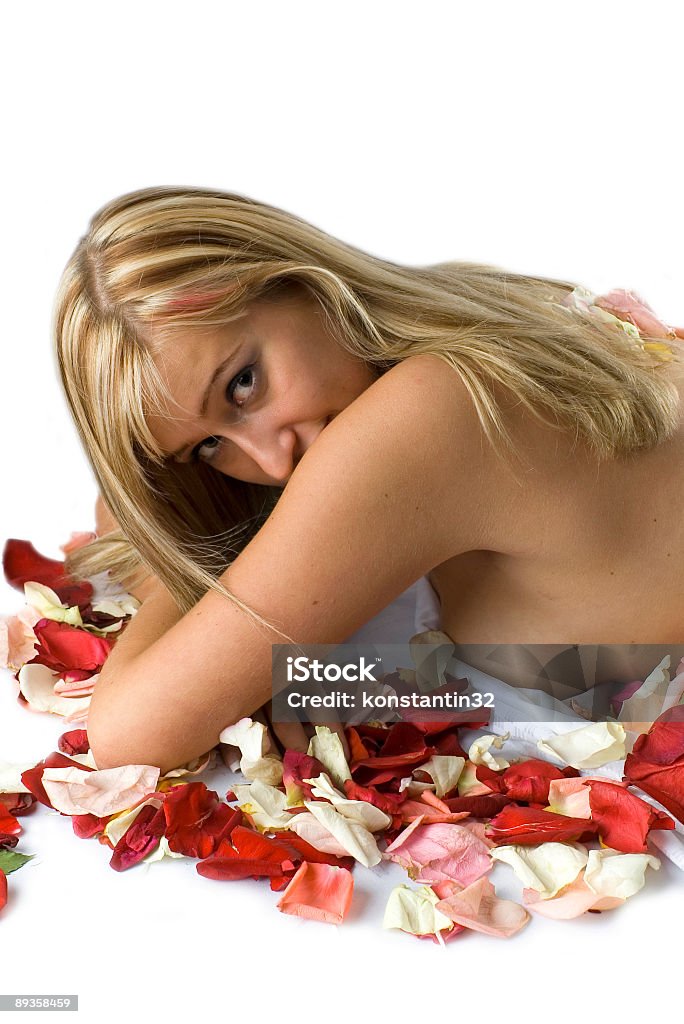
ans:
(23, 564)
(62, 647)
(527, 826)
(656, 763)
(140, 838)
(624, 819)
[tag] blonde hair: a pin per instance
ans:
(176, 258)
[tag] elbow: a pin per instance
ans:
(116, 738)
(106, 747)
(114, 743)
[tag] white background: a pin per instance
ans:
(542, 138)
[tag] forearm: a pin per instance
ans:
(157, 613)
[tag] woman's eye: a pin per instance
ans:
(212, 443)
(242, 382)
(238, 383)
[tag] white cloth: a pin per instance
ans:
(418, 610)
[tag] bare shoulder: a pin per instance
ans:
(414, 436)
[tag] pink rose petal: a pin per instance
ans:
(434, 852)
(573, 900)
(479, 908)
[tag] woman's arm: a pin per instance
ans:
(370, 508)
(153, 620)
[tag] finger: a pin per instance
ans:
(263, 718)
(291, 736)
(288, 735)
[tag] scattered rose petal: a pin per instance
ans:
(305, 826)
(359, 811)
(624, 819)
(23, 564)
(356, 840)
(445, 770)
(415, 911)
(529, 826)
(618, 874)
(434, 852)
(590, 746)
(319, 892)
(326, 747)
(265, 805)
(656, 764)
(47, 602)
(75, 791)
(547, 868)
(479, 908)
(571, 796)
(479, 751)
(17, 639)
(37, 684)
(254, 744)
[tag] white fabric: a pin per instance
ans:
(418, 610)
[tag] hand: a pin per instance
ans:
(296, 735)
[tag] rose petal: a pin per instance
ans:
(479, 908)
(319, 892)
(590, 746)
(546, 868)
(74, 791)
(414, 911)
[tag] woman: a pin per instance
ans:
(288, 432)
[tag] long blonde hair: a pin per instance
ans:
(178, 258)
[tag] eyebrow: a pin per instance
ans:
(207, 394)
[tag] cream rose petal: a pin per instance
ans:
(547, 868)
(590, 746)
(468, 782)
(656, 694)
(265, 804)
(194, 767)
(47, 602)
(414, 911)
(413, 788)
(309, 828)
(10, 776)
(479, 752)
(356, 840)
(620, 875)
(125, 605)
(254, 744)
(37, 683)
(74, 791)
(445, 770)
(326, 747)
(360, 811)
(160, 852)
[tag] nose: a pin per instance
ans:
(277, 451)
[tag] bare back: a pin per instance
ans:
(577, 552)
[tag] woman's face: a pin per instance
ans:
(250, 397)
